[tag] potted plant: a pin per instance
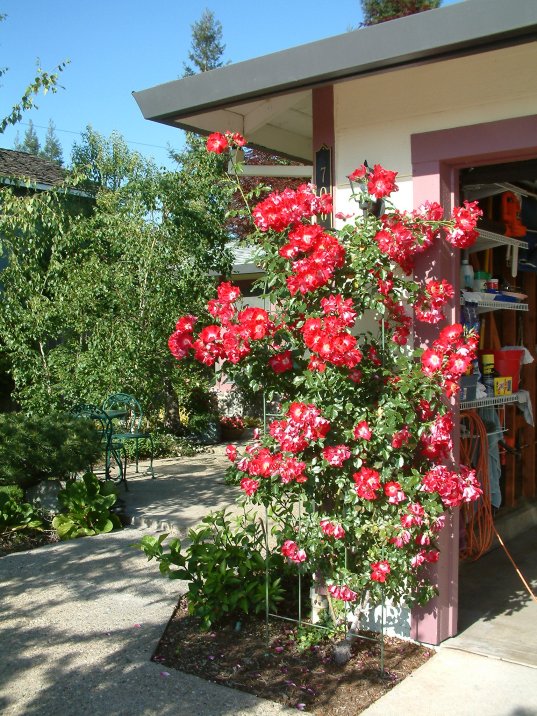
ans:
(232, 426)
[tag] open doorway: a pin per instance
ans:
(496, 614)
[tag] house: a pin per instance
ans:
(448, 99)
(28, 170)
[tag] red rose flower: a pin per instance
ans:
(217, 143)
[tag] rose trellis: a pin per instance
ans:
(364, 440)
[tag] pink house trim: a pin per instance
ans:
(436, 159)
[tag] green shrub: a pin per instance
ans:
(15, 492)
(16, 516)
(164, 445)
(86, 504)
(33, 449)
(224, 565)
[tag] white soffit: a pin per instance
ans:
(282, 123)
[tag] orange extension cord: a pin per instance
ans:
(477, 516)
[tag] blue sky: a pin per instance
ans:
(117, 46)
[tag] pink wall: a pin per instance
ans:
(436, 159)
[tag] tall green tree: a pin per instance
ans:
(30, 141)
(52, 148)
(106, 162)
(207, 47)
(92, 285)
(377, 11)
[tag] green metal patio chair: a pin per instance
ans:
(112, 448)
(126, 415)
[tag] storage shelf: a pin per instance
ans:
(487, 306)
(489, 240)
(488, 401)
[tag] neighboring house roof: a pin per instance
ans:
(253, 97)
(19, 167)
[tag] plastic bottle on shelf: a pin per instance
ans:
(467, 274)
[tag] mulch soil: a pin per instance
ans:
(28, 539)
(308, 679)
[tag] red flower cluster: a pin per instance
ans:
(219, 143)
(380, 570)
(367, 483)
(342, 592)
(316, 269)
(249, 486)
(332, 529)
(288, 207)
(229, 341)
(413, 516)
(431, 555)
(429, 306)
(291, 550)
(281, 362)
(180, 341)
(231, 452)
(401, 538)
(261, 462)
(328, 338)
(336, 455)
(215, 342)
(463, 232)
(303, 424)
(453, 488)
(362, 431)
(232, 421)
(401, 437)
(398, 320)
(394, 493)
(380, 181)
(401, 239)
(450, 355)
(436, 443)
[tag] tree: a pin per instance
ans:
(377, 11)
(52, 149)
(207, 47)
(106, 162)
(91, 283)
(30, 142)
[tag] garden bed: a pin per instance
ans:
(308, 679)
(22, 541)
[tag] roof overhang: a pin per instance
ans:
(268, 99)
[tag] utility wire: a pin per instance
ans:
(71, 131)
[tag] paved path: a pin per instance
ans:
(78, 624)
(79, 621)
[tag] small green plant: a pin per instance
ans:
(16, 516)
(224, 565)
(87, 504)
(307, 636)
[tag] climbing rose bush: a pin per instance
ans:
(357, 470)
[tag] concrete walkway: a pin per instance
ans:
(79, 621)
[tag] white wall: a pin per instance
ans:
(376, 116)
